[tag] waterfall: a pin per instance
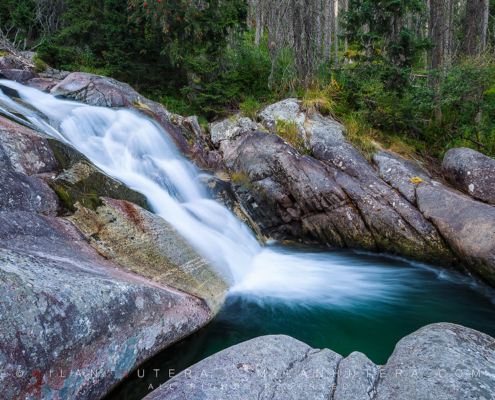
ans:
(135, 150)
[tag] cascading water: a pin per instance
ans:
(136, 151)
(331, 298)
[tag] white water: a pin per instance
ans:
(136, 151)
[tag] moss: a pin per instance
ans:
(416, 180)
(65, 200)
(39, 64)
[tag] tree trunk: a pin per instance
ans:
(336, 31)
(475, 26)
(436, 37)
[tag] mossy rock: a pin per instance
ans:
(80, 181)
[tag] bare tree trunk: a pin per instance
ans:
(436, 37)
(318, 28)
(327, 48)
(336, 31)
(475, 26)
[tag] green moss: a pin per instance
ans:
(64, 197)
(39, 64)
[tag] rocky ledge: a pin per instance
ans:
(440, 361)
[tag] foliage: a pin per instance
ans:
(249, 108)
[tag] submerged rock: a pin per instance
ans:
(467, 225)
(440, 361)
(471, 172)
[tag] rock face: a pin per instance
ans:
(290, 194)
(43, 84)
(91, 304)
(467, 225)
(336, 199)
(440, 361)
(65, 308)
(471, 172)
(107, 92)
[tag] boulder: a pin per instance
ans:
(290, 195)
(398, 172)
(146, 244)
(19, 192)
(43, 84)
(18, 75)
(6, 63)
(65, 308)
(467, 225)
(471, 172)
(397, 226)
(268, 367)
(440, 361)
(24, 150)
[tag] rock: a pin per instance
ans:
(268, 367)
(24, 150)
(65, 308)
(107, 92)
(83, 182)
(6, 63)
(471, 172)
(146, 244)
(357, 378)
(43, 84)
(467, 225)
(288, 110)
(440, 361)
(19, 192)
(318, 128)
(397, 227)
(18, 75)
(398, 172)
(225, 130)
(289, 195)
(55, 74)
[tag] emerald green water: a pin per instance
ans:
(367, 304)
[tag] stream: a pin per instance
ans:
(329, 298)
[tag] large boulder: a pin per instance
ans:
(65, 308)
(146, 244)
(290, 195)
(471, 172)
(19, 192)
(24, 150)
(43, 84)
(467, 225)
(440, 361)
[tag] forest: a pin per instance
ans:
(415, 76)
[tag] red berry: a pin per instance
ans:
(146, 4)
(178, 19)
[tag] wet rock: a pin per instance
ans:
(440, 361)
(268, 367)
(24, 150)
(83, 182)
(65, 308)
(19, 192)
(467, 225)
(146, 244)
(398, 172)
(290, 195)
(471, 172)
(43, 84)
(18, 75)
